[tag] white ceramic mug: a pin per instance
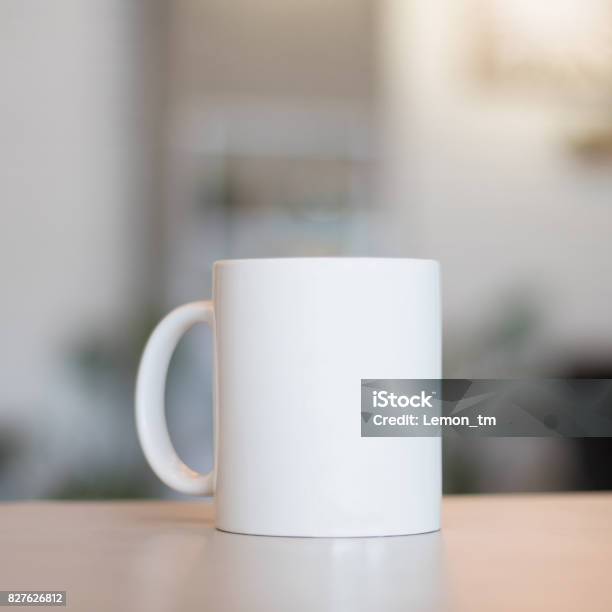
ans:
(293, 339)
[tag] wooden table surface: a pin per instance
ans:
(521, 552)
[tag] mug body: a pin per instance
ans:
(293, 339)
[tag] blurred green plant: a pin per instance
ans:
(105, 367)
(104, 486)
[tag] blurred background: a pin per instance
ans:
(140, 140)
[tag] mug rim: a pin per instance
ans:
(270, 260)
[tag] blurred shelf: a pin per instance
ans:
(291, 129)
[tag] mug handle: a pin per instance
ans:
(150, 409)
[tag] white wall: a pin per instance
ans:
(484, 182)
(72, 230)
